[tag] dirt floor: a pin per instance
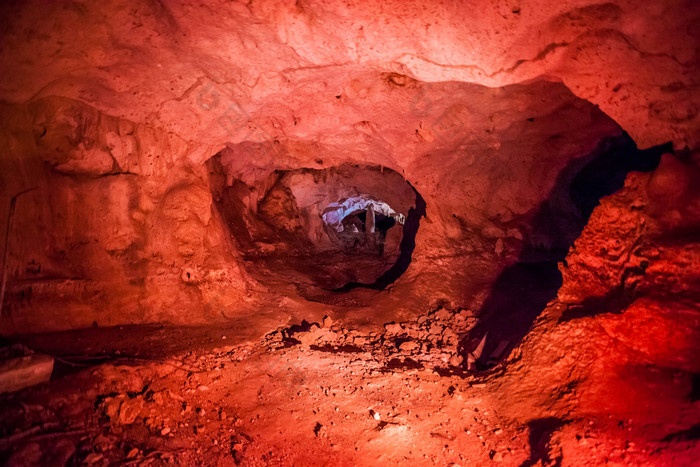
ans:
(322, 394)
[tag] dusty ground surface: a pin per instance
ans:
(322, 394)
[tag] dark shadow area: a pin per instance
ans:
(408, 244)
(541, 431)
(384, 223)
(524, 289)
(345, 348)
(614, 302)
(401, 364)
(136, 342)
(519, 295)
(694, 395)
(605, 175)
(691, 434)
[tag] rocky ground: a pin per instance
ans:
(322, 394)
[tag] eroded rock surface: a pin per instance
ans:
(141, 231)
(170, 163)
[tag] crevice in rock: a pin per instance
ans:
(604, 176)
(691, 434)
(694, 395)
(523, 290)
(541, 431)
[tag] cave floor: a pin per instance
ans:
(327, 395)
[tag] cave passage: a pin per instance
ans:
(408, 244)
(336, 233)
(360, 223)
(326, 229)
(363, 205)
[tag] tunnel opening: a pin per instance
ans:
(360, 223)
(323, 230)
(406, 248)
(188, 311)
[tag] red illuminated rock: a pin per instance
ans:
(179, 157)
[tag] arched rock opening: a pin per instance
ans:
(324, 228)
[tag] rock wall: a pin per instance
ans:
(156, 63)
(122, 228)
(118, 227)
(636, 266)
(488, 109)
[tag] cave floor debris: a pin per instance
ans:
(322, 394)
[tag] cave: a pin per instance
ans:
(349, 233)
(319, 229)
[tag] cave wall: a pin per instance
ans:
(112, 111)
(636, 264)
(122, 227)
(117, 228)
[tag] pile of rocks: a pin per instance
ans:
(430, 341)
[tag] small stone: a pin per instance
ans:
(359, 340)
(448, 333)
(442, 314)
(203, 388)
(456, 360)
(22, 372)
(409, 346)
(133, 453)
(165, 431)
(393, 328)
(158, 398)
(93, 458)
(498, 249)
(327, 321)
(463, 315)
(130, 410)
(111, 407)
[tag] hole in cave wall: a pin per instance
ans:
(522, 290)
(360, 223)
(694, 388)
(408, 244)
(277, 222)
